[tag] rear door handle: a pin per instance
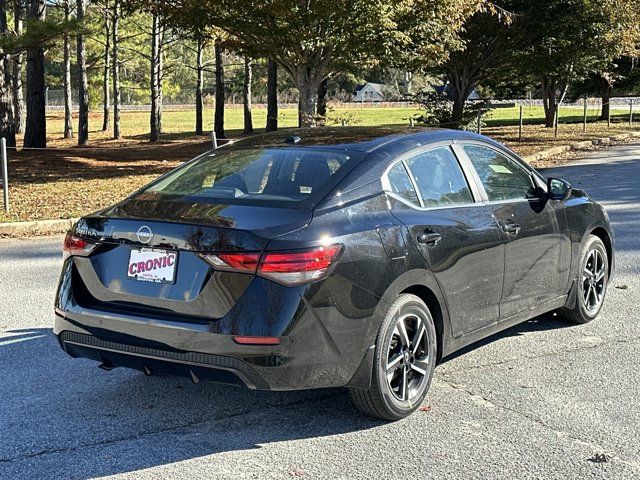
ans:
(510, 227)
(429, 237)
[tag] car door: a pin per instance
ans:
(537, 249)
(457, 237)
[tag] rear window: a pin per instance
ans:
(249, 176)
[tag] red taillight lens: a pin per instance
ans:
(294, 267)
(76, 246)
(298, 267)
(234, 262)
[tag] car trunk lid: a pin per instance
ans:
(189, 287)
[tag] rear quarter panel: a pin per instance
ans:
(351, 303)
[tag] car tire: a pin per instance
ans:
(404, 361)
(591, 285)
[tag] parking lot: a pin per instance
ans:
(541, 400)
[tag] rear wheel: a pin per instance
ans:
(592, 279)
(404, 360)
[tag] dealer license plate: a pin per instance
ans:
(152, 265)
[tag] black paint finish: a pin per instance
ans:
(480, 267)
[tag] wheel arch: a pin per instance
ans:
(602, 231)
(604, 235)
(423, 284)
(433, 304)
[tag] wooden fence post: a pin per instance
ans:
(520, 125)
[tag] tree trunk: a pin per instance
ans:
(218, 121)
(160, 72)
(457, 113)
(322, 98)
(606, 90)
(308, 90)
(117, 134)
(35, 135)
(407, 83)
(199, 83)
(154, 134)
(83, 84)
(7, 126)
(68, 106)
(548, 89)
(246, 96)
(272, 96)
(6, 120)
(462, 88)
(106, 87)
(18, 99)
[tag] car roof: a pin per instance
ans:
(357, 139)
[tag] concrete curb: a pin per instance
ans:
(36, 228)
(582, 145)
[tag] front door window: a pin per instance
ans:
(502, 177)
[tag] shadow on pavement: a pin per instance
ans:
(615, 185)
(66, 417)
(76, 421)
(542, 323)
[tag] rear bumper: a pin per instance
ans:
(303, 360)
(151, 361)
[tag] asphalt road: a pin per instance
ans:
(537, 401)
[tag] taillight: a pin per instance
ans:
(233, 262)
(298, 267)
(293, 267)
(76, 246)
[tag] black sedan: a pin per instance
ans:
(297, 263)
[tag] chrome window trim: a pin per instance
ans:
(412, 179)
(471, 182)
(426, 209)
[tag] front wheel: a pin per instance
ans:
(592, 279)
(404, 360)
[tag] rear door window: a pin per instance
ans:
(270, 174)
(439, 178)
(401, 185)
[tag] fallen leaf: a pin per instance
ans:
(425, 408)
(600, 457)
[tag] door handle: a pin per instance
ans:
(510, 227)
(429, 237)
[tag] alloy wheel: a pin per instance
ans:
(408, 358)
(594, 280)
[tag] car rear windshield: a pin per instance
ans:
(286, 174)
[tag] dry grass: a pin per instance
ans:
(537, 138)
(65, 181)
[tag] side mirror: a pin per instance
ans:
(558, 189)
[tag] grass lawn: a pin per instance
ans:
(179, 124)
(66, 181)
